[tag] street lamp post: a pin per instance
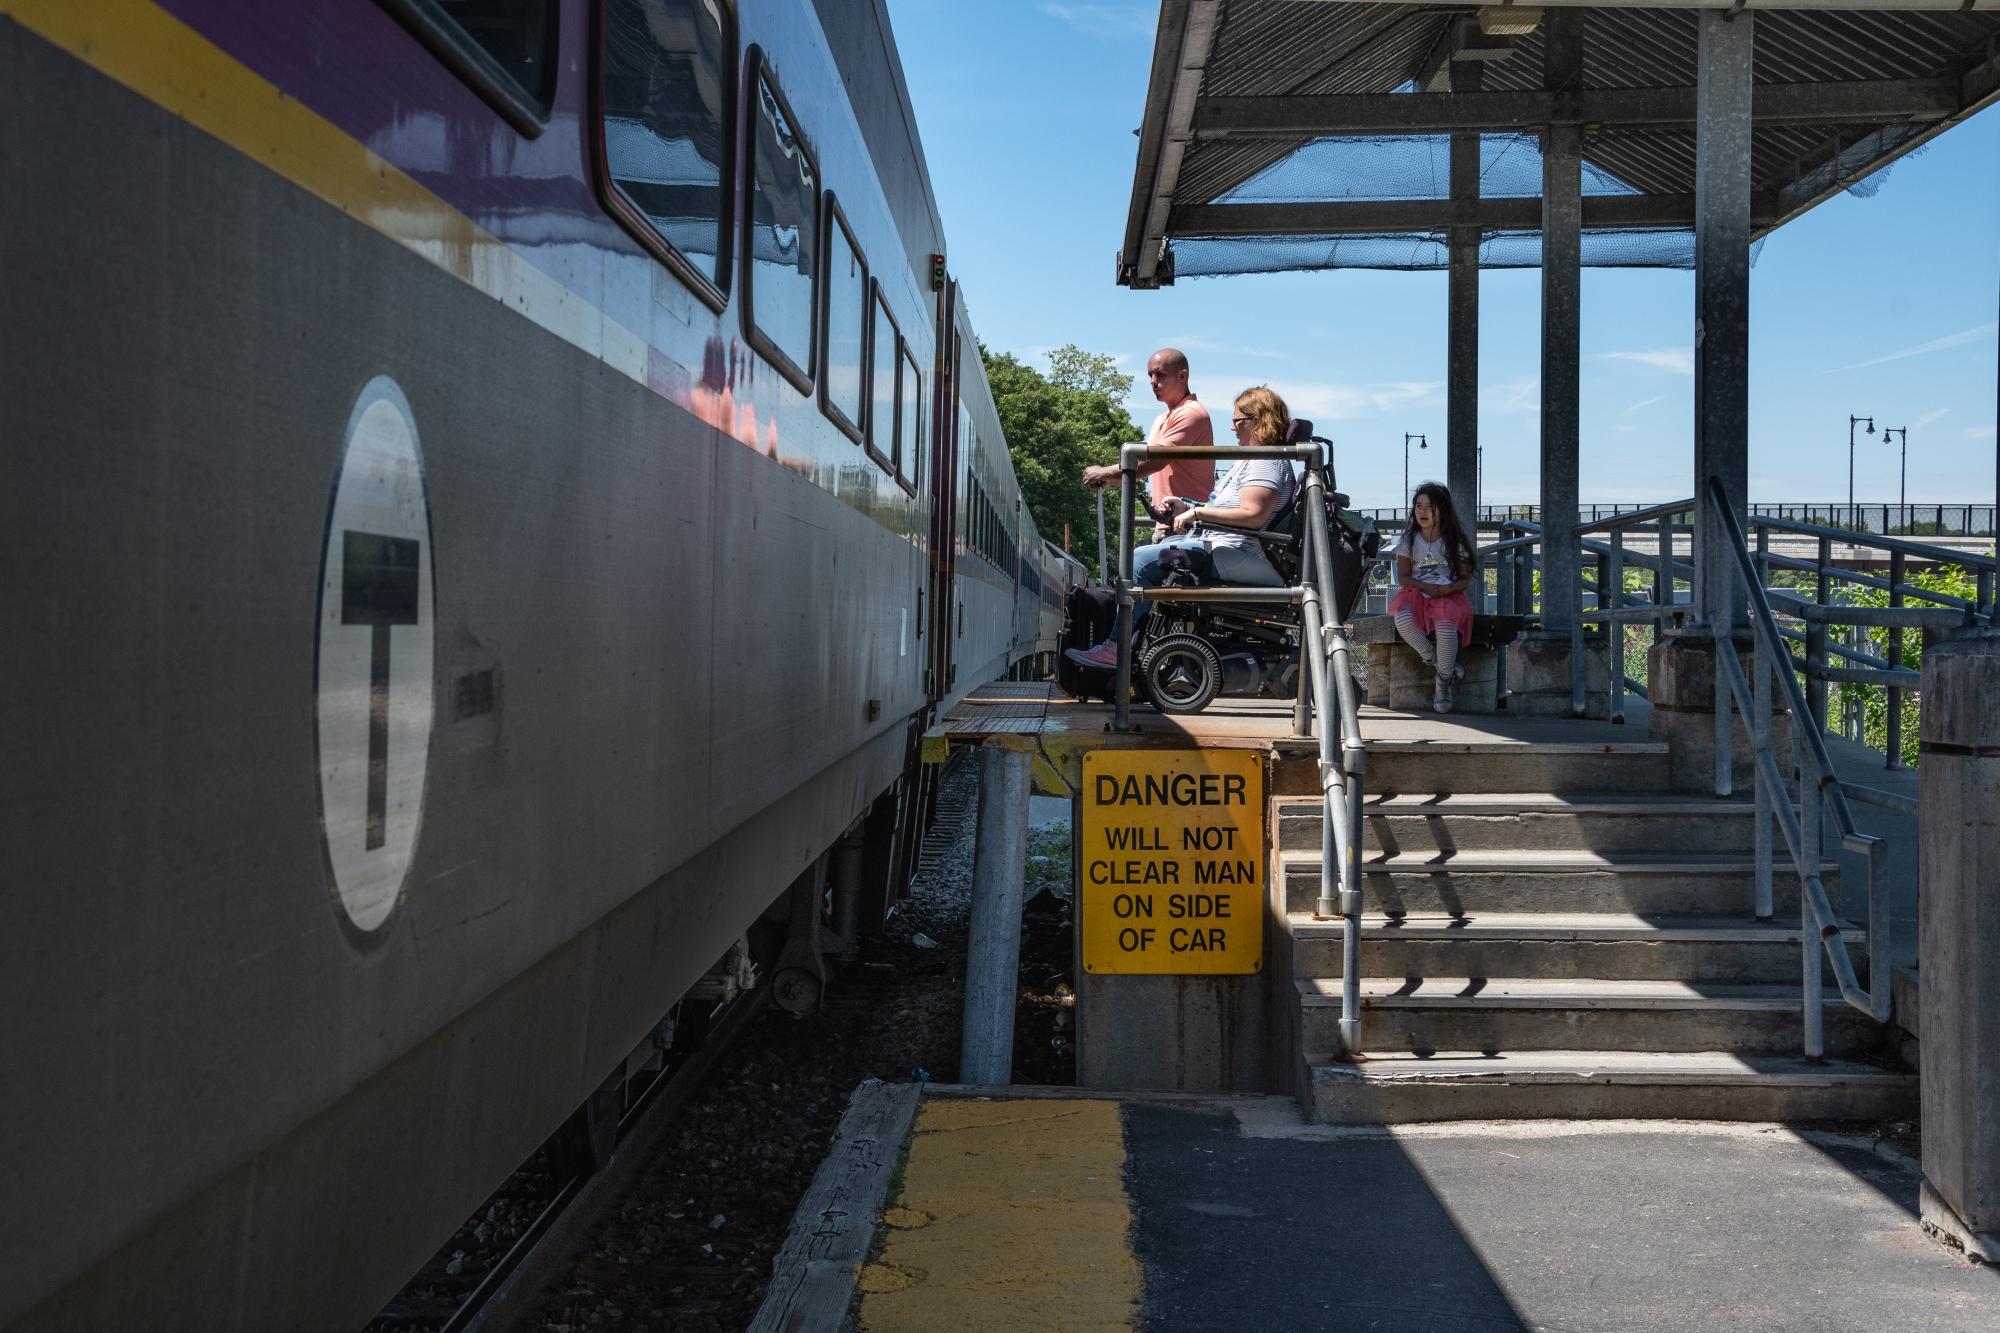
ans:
(1422, 443)
(1902, 434)
(1852, 422)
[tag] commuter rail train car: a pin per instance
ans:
(493, 490)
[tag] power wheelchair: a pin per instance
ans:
(1188, 654)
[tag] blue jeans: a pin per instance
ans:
(1148, 572)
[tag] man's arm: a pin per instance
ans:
(1104, 474)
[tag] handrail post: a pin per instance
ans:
(1760, 733)
(1894, 743)
(1816, 633)
(1121, 706)
(1613, 570)
(1325, 648)
(1310, 555)
(1811, 954)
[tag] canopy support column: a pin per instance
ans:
(1462, 325)
(1562, 291)
(1708, 748)
(1721, 298)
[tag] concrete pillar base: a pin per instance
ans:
(1172, 1033)
(1682, 685)
(1944, 1223)
(1538, 678)
(1398, 679)
(1958, 933)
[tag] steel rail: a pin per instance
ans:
(510, 1292)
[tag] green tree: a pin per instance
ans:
(1076, 371)
(1872, 701)
(1057, 425)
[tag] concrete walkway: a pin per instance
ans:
(1241, 1216)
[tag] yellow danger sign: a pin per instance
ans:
(1171, 861)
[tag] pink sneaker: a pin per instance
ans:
(1104, 655)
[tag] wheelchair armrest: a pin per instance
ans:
(1261, 534)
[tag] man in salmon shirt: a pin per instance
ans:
(1184, 423)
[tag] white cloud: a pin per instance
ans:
(1335, 401)
(1120, 21)
(1674, 360)
(1195, 342)
(1643, 402)
(1515, 397)
(1959, 339)
(1979, 432)
(1935, 415)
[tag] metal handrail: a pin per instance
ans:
(1820, 787)
(1944, 555)
(1326, 683)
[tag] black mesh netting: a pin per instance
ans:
(1213, 256)
(1418, 167)
(1405, 166)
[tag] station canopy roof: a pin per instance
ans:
(1284, 135)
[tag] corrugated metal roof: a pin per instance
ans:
(1266, 48)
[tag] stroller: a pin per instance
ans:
(1187, 655)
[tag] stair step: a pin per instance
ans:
(1396, 825)
(1621, 947)
(1705, 883)
(1471, 762)
(1516, 1014)
(1398, 1087)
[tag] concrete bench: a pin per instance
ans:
(1398, 678)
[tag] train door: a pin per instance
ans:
(944, 494)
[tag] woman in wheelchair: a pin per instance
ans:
(1215, 541)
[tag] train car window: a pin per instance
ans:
(843, 386)
(914, 459)
(884, 428)
(781, 241)
(504, 50)
(666, 117)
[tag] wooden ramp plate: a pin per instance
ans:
(812, 1279)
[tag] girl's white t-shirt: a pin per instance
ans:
(1429, 561)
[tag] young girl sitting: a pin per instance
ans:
(1434, 565)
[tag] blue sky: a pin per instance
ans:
(1882, 306)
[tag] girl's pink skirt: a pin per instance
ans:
(1427, 613)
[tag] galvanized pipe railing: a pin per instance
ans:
(1937, 611)
(1326, 669)
(1820, 791)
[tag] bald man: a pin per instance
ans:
(1185, 424)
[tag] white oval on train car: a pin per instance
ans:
(375, 693)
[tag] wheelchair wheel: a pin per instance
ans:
(1181, 673)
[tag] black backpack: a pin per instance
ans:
(1089, 615)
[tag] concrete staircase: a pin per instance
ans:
(1551, 933)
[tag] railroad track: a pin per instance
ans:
(957, 806)
(513, 1288)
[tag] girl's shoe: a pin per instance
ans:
(1441, 694)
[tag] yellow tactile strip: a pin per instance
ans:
(1012, 1216)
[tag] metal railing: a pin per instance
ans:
(1940, 610)
(1326, 683)
(1823, 797)
(1820, 791)
(1901, 519)
(1663, 532)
